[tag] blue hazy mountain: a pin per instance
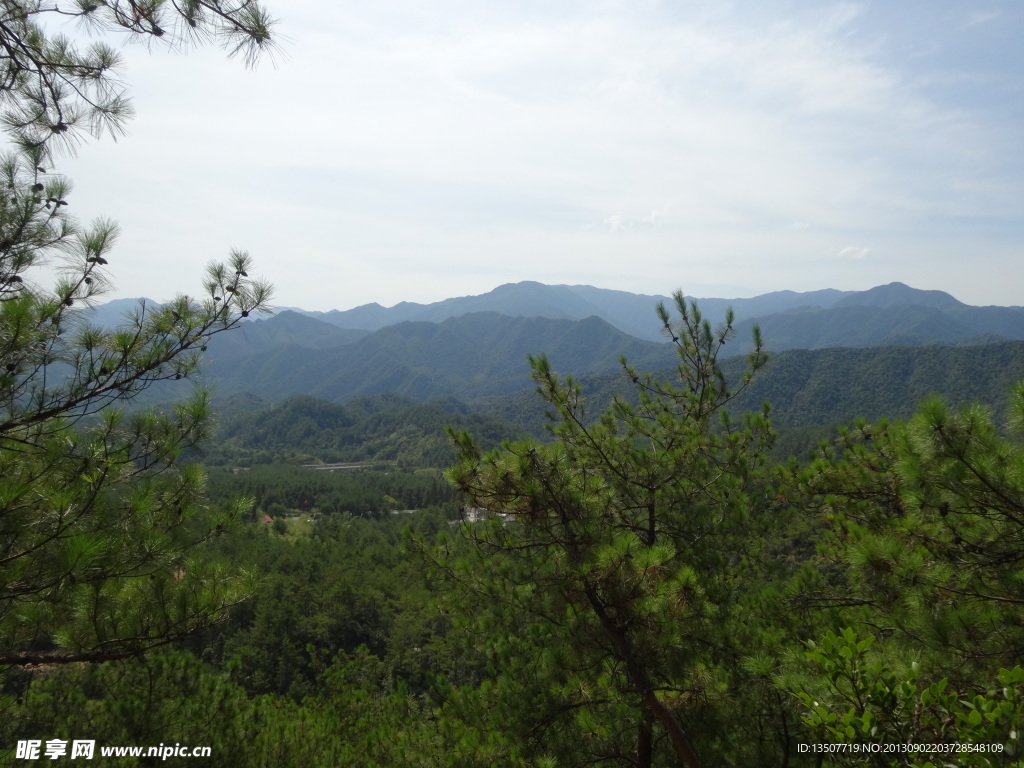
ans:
(887, 314)
(475, 346)
(629, 312)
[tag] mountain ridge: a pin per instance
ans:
(465, 357)
(634, 313)
(629, 312)
(483, 353)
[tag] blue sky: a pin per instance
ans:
(409, 151)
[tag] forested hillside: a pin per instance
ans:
(463, 357)
(544, 526)
(383, 428)
(647, 586)
(829, 386)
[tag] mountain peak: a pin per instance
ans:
(522, 285)
(894, 294)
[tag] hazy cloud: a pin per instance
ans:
(981, 17)
(853, 252)
(477, 143)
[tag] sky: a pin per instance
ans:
(407, 151)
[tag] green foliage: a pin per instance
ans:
(169, 698)
(928, 517)
(894, 719)
(612, 557)
(332, 661)
(643, 589)
(98, 523)
(815, 391)
(347, 585)
(387, 428)
(924, 525)
(364, 492)
(835, 386)
(97, 528)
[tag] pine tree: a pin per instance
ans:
(99, 517)
(610, 563)
(53, 92)
(926, 527)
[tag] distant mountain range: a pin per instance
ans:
(475, 346)
(629, 312)
(887, 314)
(884, 315)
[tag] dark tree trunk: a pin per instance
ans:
(645, 741)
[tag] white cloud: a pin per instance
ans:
(619, 223)
(853, 252)
(981, 17)
(476, 143)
